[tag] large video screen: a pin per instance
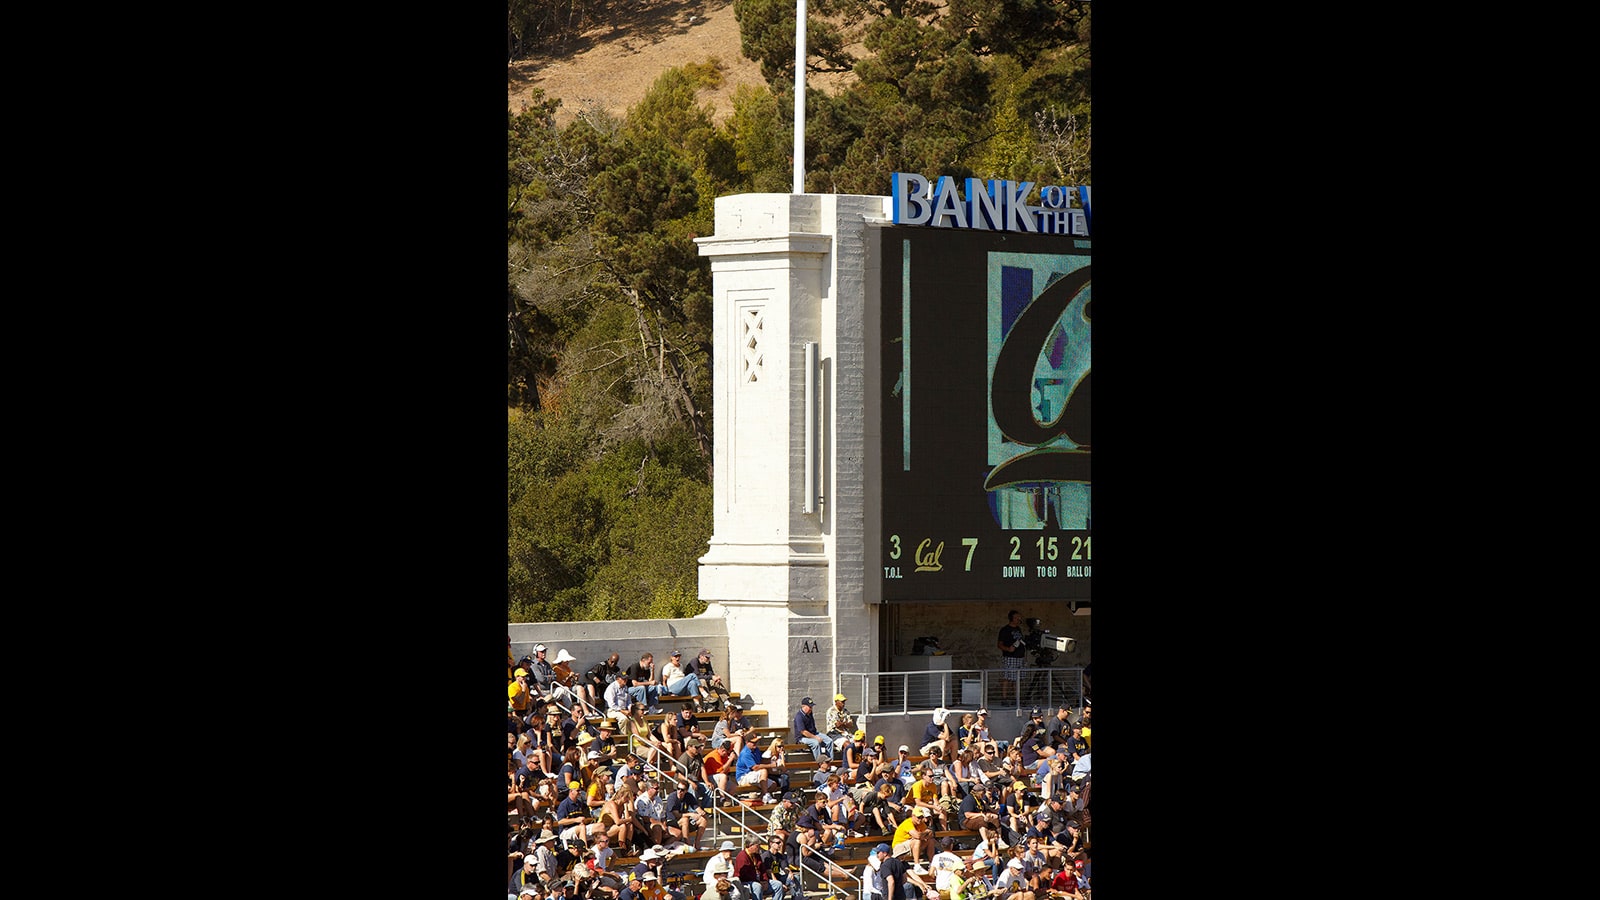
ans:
(986, 487)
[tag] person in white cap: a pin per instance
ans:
(545, 680)
(526, 876)
(1012, 882)
(721, 866)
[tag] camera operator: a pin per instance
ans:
(1012, 649)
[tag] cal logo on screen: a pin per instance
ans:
(1039, 391)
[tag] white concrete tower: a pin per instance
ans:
(787, 559)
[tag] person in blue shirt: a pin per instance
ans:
(904, 769)
(751, 769)
(805, 732)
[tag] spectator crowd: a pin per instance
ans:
(591, 780)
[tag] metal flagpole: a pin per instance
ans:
(800, 97)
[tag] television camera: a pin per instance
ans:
(1044, 645)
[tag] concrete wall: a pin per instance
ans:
(592, 642)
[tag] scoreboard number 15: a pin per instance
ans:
(1048, 550)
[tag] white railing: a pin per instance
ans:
(887, 692)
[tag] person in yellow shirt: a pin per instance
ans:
(517, 691)
(924, 794)
(914, 836)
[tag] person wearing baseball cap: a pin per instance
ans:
(518, 693)
(526, 877)
(853, 757)
(805, 731)
(840, 724)
(914, 837)
(678, 682)
(904, 769)
(1013, 882)
(634, 890)
(713, 692)
(890, 878)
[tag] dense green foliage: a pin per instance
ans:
(608, 302)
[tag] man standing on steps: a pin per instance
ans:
(946, 864)
(1012, 652)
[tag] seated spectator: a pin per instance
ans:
(719, 868)
(619, 696)
(642, 735)
(1012, 883)
(598, 678)
(617, 817)
(753, 867)
(904, 769)
(841, 724)
(519, 693)
(679, 683)
(986, 764)
(871, 758)
(924, 796)
(988, 858)
(980, 813)
(651, 812)
(805, 731)
(852, 757)
(815, 827)
(645, 682)
(718, 766)
(819, 775)
(752, 767)
(669, 740)
(691, 767)
(713, 692)
(778, 768)
(841, 806)
(938, 734)
(914, 837)
(684, 819)
(877, 810)
(727, 726)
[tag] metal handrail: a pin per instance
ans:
(861, 886)
(1038, 686)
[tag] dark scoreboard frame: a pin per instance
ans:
(995, 503)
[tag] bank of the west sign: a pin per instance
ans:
(993, 205)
